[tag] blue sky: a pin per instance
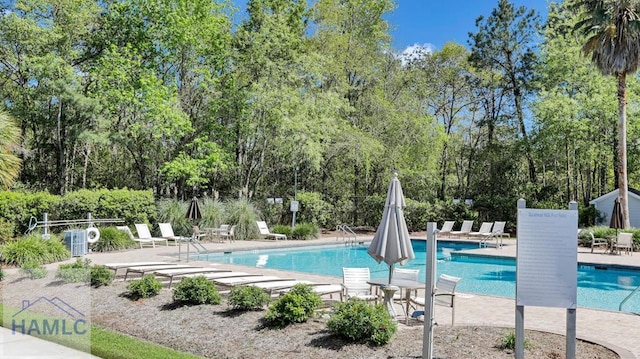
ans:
(432, 23)
(435, 22)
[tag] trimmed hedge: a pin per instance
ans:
(17, 208)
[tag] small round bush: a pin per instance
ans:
(296, 306)
(305, 231)
(196, 290)
(33, 270)
(79, 271)
(112, 239)
(357, 321)
(146, 287)
(248, 298)
(101, 275)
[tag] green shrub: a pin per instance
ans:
(305, 231)
(2, 274)
(196, 290)
(243, 214)
(146, 287)
(356, 320)
(417, 214)
(296, 306)
(33, 249)
(79, 271)
(129, 205)
(33, 270)
(282, 229)
(100, 275)
(313, 209)
(112, 239)
(248, 298)
(370, 209)
(17, 208)
(7, 230)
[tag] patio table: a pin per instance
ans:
(389, 290)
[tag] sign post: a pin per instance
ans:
(546, 266)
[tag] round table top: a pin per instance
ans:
(401, 283)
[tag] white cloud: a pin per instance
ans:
(414, 52)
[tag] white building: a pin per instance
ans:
(604, 204)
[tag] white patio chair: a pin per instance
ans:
(354, 282)
(445, 294)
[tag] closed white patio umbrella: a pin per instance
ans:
(391, 242)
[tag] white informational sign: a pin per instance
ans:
(294, 206)
(547, 259)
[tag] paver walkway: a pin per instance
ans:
(618, 331)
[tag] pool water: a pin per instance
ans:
(598, 287)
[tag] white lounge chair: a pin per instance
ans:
(181, 272)
(125, 265)
(445, 294)
(166, 231)
(498, 230)
(140, 241)
(244, 280)
(447, 227)
(484, 231)
(464, 229)
(142, 270)
(264, 230)
(144, 234)
(354, 282)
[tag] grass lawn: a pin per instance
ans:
(104, 342)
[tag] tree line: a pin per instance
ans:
(177, 97)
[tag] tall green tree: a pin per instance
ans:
(575, 116)
(505, 43)
(353, 38)
(44, 49)
(612, 28)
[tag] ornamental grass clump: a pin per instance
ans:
(358, 321)
(112, 239)
(248, 298)
(305, 231)
(196, 290)
(33, 249)
(296, 306)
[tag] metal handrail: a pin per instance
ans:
(627, 298)
(348, 235)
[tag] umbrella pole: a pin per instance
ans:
(390, 273)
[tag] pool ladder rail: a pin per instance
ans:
(627, 298)
(349, 237)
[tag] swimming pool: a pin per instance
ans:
(598, 287)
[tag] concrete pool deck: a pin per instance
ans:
(615, 330)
